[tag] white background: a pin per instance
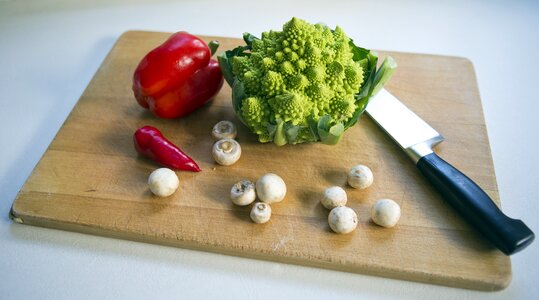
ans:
(49, 50)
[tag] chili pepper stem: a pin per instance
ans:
(213, 45)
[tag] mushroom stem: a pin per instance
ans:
(226, 146)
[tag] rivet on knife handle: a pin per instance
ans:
(417, 138)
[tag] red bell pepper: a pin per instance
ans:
(178, 76)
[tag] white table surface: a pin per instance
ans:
(49, 50)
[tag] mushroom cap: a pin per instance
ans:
(360, 177)
(270, 188)
(334, 196)
(163, 182)
(342, 219)
(243, 193)
(226, 152)
(386, 213)
(224, 130)
(261, 212)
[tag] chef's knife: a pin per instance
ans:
(417, 138)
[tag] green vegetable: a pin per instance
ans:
(306, 83)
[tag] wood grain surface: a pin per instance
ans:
(91, 179)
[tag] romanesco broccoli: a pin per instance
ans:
(301, 84)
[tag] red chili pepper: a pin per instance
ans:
(150, 142)
(177, 77)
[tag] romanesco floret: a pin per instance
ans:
(291, 107)
(256, 113)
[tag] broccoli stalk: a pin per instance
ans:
(306, 83)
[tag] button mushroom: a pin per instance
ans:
(163, 182)
(334, 196)
(224, 130)
(243, 193)
(226, 152)
(261, 212)
(360, 177)
(386, 213)
(342, 219)
(270, 188)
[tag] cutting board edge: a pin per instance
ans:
(450, 281)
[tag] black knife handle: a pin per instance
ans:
(508, 235)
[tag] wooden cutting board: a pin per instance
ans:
(91, 180)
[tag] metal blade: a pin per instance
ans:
(402, 125)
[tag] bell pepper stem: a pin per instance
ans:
(213, 45)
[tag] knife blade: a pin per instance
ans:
(417, 139)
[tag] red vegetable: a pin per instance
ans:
(177, 77)
(150, 142)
